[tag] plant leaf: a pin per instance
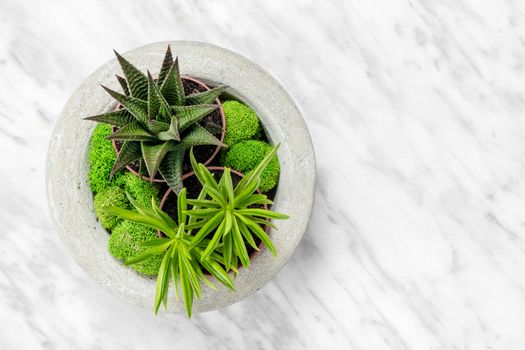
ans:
(228, 224)
(172, 133)
(227, 250)
(137, 81)
(262, 213)
(132, 132)
(209, 226)
(239, 246)
(153, 98)
(203, 213)
(189, 115)
(205, 97)
(209, 179)
(198, 136)
(263, 222)
(203, 202)
(214, 269)
(181, 206)
(216, 195)
(172, 88)
(156, 127)
(259, 232)
(228, 185)
(137, 258)
(158, 108)
(129, 152)
(167, 62)
(253, 199)
(163, 216)
(123, 84)
(146, 220)
(175, 275)
(191, 220)
(215, 240)
(118, 118)
(200, 275)
(171, 168)
(153, 154)
(246, 233)
(161, 287)
(192, 277)
(196, 169)
(137, 107)
(155, 242)
(186, 287)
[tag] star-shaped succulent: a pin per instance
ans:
(158, 123)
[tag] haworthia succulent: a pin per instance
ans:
(157, 122)
(166, 65)
(137, 81)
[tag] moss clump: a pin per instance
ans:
(141, 190)
(125, 242)
(110, 196)
(241, 123)
(246, 155)
(101, 158)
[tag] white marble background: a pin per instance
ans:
(417, 113)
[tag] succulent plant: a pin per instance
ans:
(158, 123)
(188, 247)
(232, 214)
(182, 262)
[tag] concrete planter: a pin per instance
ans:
(71, 201)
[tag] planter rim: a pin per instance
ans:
(71, 201)
(209, 160)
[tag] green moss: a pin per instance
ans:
(101, 158)
(241, 123)
(141, 190)
(125, 242)
(110, 196)
(246, 155)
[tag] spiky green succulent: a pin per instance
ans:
(158, 123)
(230, 214)
(226, 217)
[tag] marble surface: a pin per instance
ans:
(416, 110)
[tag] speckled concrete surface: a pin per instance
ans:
(70, 199)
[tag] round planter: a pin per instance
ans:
(71, 201)
(208, 161)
